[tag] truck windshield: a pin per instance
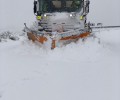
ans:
(47, 6)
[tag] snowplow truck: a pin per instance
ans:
(60, 21)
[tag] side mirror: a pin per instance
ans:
(86, 7)
(35, 7)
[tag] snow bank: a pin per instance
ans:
(82, 71)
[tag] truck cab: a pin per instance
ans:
(61, 15)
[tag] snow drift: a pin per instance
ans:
(79, 71)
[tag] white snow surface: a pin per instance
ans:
(79, 71)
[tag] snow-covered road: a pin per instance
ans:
(82, 71)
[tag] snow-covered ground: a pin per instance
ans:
(79, 71)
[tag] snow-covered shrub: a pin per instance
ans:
(8, 35)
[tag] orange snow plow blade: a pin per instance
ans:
(34, 37)
(83, 35)
(43, 39)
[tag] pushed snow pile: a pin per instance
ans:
(8, 35)
(79, 71)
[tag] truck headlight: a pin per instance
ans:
(45, 15)
(71, 15)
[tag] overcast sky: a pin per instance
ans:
(13, 13)
(105, 11)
